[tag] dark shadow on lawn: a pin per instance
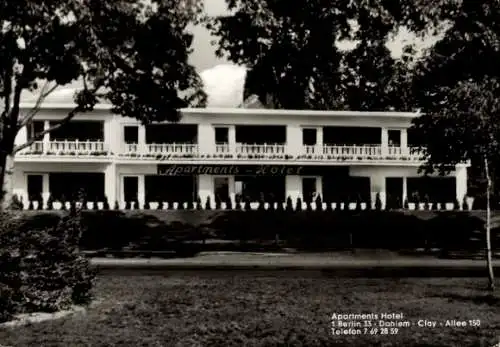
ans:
(480, 299)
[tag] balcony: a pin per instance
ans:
(67, 148)
(225, 152)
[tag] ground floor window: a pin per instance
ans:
(434, 189)
(69, 186)
(346, 189)
(221, 188)
(35, 187)
(171, 188)
(256, 188)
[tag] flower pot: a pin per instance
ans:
(266, 206)
(35, 205)
(165, 205)
(363, 205)
(431, 204)
(438, 206)
(123, 205)
(154, 205)
(78, 204)
(352, 206)
(334, 205)
(57, 205)
(68, 205)
(176, 205)
(449, 206)
(325, 205)
(342, 205)
(470, 202)
(304, 206)
(421, 206)
(100, 205)
(411, 206)
(223, 206)
(254, 205)
(90, 205)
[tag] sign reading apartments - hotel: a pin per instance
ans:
(244, 170)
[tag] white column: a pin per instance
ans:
(111, 184)
(46, 137)
(405, 189)
(206, 138)
(461, 182)
(319, 140)
(293, 184)
(113, 135)
(377, 186)
(232, 138)
(45, 189)
(206, 189)
(404, 140)
(141, 138)
(319, 186)
(385, 141)
(232, 193)
(20, 186)
(141, 191)
(294, 139)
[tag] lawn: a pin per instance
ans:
(237, 310)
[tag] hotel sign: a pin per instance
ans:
(243, 170)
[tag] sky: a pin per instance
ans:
(223, 80)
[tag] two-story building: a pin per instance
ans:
(223, 153)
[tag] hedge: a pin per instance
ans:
(41, 266)
(163, 230)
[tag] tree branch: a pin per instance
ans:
(56, 126)
(36, 108)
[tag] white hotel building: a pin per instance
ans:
(253, 153)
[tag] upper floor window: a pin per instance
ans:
(131, 134)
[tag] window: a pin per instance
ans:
(35, 187)
(309, 137)
(131, 134)
(35, 128)
(394, 137)
(221, 135)
(130, 188)
(221, 188)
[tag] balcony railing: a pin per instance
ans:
(70, 148)
(238, 151)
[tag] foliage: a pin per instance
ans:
(41, 266)
(316, 73)
(112, 48)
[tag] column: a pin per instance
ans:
(111, 184)
(45, 189)
(206, 139)
(141, 191)
(404, 141)
(46, 137)
(461, 182)
(232, 193)
(294, 139)
(319, 140)
(377, 186)
(293, 184)
(232, 138)
(405, 189)
(20, 186)
(141, 139)
(319, 186)
(113, 135)
(206, 189)
(385, 141)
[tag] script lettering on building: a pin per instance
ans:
(249, 170)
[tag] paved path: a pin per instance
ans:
(332, 264)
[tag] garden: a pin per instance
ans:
(239, 310)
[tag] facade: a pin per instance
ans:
(226, 154)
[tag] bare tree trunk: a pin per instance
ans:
(491, 276)
(6, 179)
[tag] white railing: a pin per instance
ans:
(171, 148)
(260, 149)
(348, 150)
(222, 148)
(67, 148)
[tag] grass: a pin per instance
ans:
(188, 310)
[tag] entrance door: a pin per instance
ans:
(394, 191)
(130, 188)
(309, 188)
(221, 188)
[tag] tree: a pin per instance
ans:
(113, 47)
(290, 48)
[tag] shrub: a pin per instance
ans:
(41, 269)
(16, 203)
(117, 206)
(289, 204)
(208, 204)
(378, 202)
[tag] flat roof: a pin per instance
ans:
(248, 111)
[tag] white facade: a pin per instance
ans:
(116, 159)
